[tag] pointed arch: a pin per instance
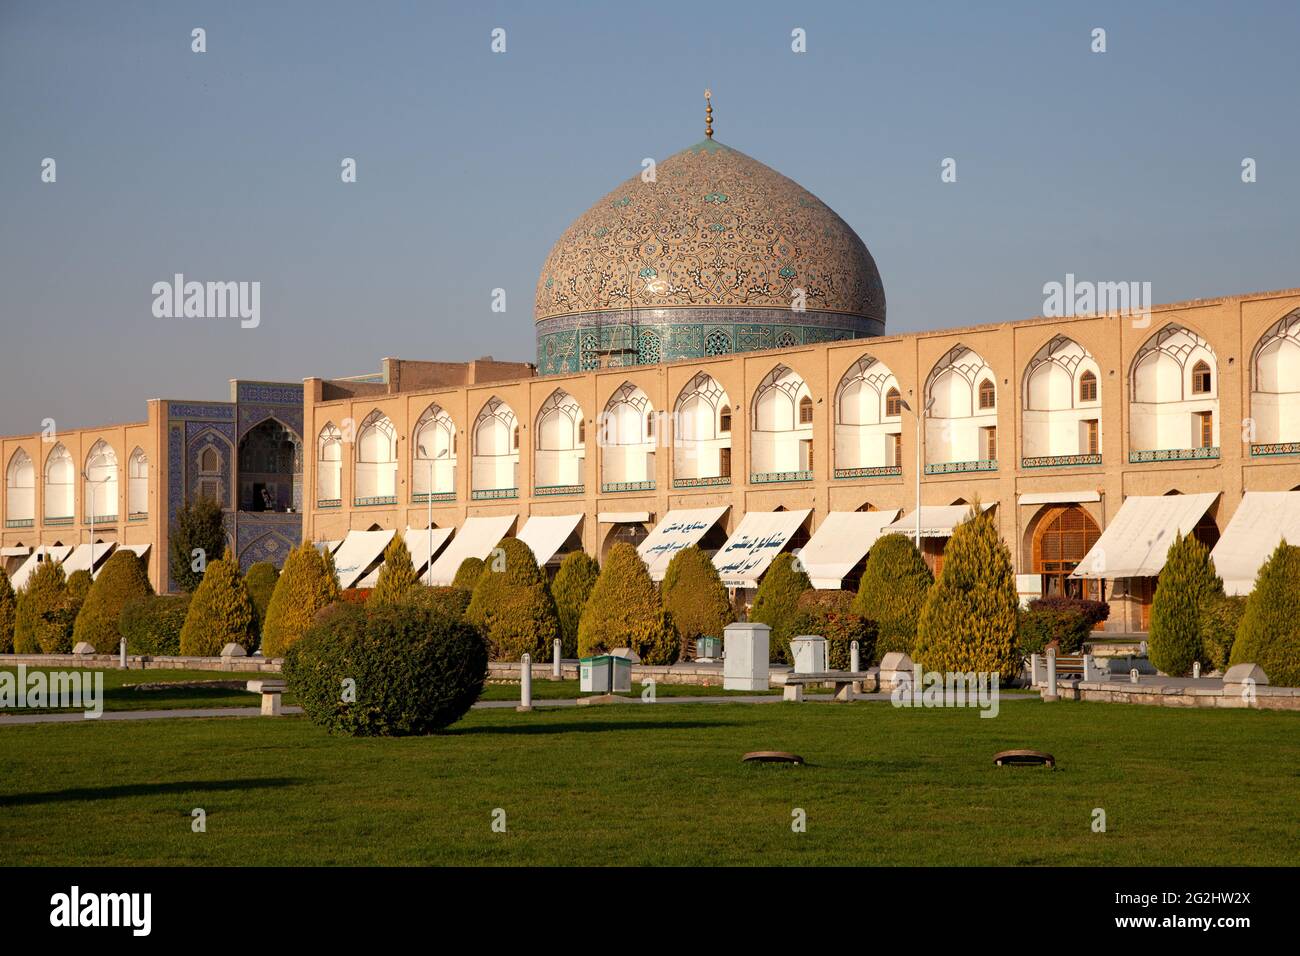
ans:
(60, 483)
(781, 446)
(20, 491)
(868, 421)
(137, 484)
(101, 485)
(1275, 389)
(560, 443)
(961, 426)
(1174, 384)
(495, 465)
(435, 447)
(329, 467)
(702, 434)
(375, 470)
(1061, 422)
(627, 441)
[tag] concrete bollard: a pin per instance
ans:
(1035, 679)
(854, 660)
(525, 684)
(1133, 676)
(555, 659)
(121, 652)
(1050, 692)
(1196, 670)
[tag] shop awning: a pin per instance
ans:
(761, 536)
(1263, 519)
(1059, 497)
(17, 551)
(546, 534)
(840, 543)
(623, 517)
(79, 559)
(1135, 542)
(359, 551)
(937, 521)
(54, 552)
(417, 542)
(677, 530)
(327, 547)
(475, 539)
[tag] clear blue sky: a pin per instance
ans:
(225, 165)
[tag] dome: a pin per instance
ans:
(707, 258)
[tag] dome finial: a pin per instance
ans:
(708, 113)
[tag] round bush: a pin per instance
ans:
(1068, 621)
(623, 601)
(42, 624)
(1269, 632)
(571, 589)
(152, 625)
(894, 585)
(220, 612)
(513, 607)
(415, 670)
(656, 641)
(307, 584)
(468, 573)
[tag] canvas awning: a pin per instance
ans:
(327, 547)
(623, 517)
(17, 551)
(546, 534)
(1137, 539)
(417, 542)
(79, 559)
(677, 530)
(1059, 497)
(1261, 521)
(937, 521)
(761, 536)
(840, 542)
(54, 552)
(475, 539)
(360, 550)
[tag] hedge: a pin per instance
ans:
(777, 603)
(1068, 621)
(447, 600)
(414, 670)
(831, 614)
(1220, 618)
(220, 612)
(694, 594)
(571, 589)
(894, 585)
(307, 584)
(513, 607)
(152, 625)
(123, 579)
(468, 573)
(8, 612)
(623, 601)
(1269, 634)
(1185, 587)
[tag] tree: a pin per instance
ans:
(79, 583)
(968, 622)
(831, 614)
(468, 573)
(513, 607)
(1269, 634)
(8, 612)
(623, 601)
(777, 603)
(307, 584)
(894, 585)
(42, 624)
(656, 641)
(260, 580)
(1220, 619)
(220, 612)
(123, 579)
(196, 527)
(694, 594)
(396, 577)
(1186, 586)
(571, 589)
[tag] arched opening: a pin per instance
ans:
(270, 468)
(868, 421)
(1062, 537)
(329, 467)
(1275, 390)
(561, 446)
(100, 491)
(137, 485)
(781, 444)
(375, 471)
(702, 437)
(1174, 411)
(60, 485)
(1062, 413)
(627, 440)
(495, 466)
(962, 424)
(20, 491)
(433, 471)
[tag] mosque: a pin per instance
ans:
(714, 367)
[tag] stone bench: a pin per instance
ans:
(843, 682)
(271, 691)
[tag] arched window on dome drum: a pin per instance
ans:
(893, 404)
(1087, 387)
(1064, 536)
(988, 395)
(1201, 382)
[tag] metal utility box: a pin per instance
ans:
(605, 674)
(708, 648)
(745, 664)
(809, 652)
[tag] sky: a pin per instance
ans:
(226, 165)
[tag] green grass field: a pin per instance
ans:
(663, 784)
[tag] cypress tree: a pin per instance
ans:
(196, 527)
(396, 577)
(692, 591)
(468, 573)
(123, 579)
(894, 585)
(1269, 633)
(968, 622)
(307, 584)
(260, 580)
(1187, 584)
(513, 608)
(571, 589)
(79, 584)
(656, 640)
(220, 612)
(623, 601)
(777, 603)
(8, 612)
(41, 621)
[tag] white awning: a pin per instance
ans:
(937, 521)
(79, 559)
(677, 530)
(761, 536)
(839, 544)
(55, 552)
(546, 534)
(1059, 497)
(1136, 541)
(17, 551)
(623, 517)
(360, 550)
(1262, 520)
(417, 542)
(327, 547)
(475, 539)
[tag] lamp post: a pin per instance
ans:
(918, 416)
(90, 481)
(428, 574)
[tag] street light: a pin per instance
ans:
(90, 481)
(428, 576)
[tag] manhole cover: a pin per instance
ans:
(1023, 758)
(771, 756)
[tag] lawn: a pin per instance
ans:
(663, 784)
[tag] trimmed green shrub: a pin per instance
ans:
(777, 603)
(894, 585)
(358, 596)
(1185, 586)
(467, 575)
(513, 607)
(1220, 618)
(447, 600)
(152, 625)
(79, 584)
(969, 619)
(307, 584)
(196, 527)
(831, 614)
(260, 581)
(123, 579)
(1068, 621)
(42, 622)
(656, 641)
(623, 601)
(396, 577)
(571, 589)
(8, 613)
(220, 613)
(414, 670)
(1269, 634)
(694, 594)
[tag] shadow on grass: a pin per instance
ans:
(595, 726)
(141, 790)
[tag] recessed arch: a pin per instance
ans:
(375, 469)
(961, 425)
(101, 485)
(627, 439)
(868, 421)
(60, 484)
(329, 466)
(20, 490)
(1061, 421)
(270, 467)
(137, 484)
(702, 433)
(560, 442)
(495, 464)
(1174, 385)
(435, 446)
(781, 446)
(1275, 389)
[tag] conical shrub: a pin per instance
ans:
(307, 584)
(1269, 633)
(693, 593)
(777, 603)
(396, 577)
(124, 578)
(260, 580)
(513, 608)
(623, 602)
(571, 589)
(220, 612)
(894, 585)
(42, 624)
(1187, 584)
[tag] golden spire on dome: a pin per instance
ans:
(708, 113)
